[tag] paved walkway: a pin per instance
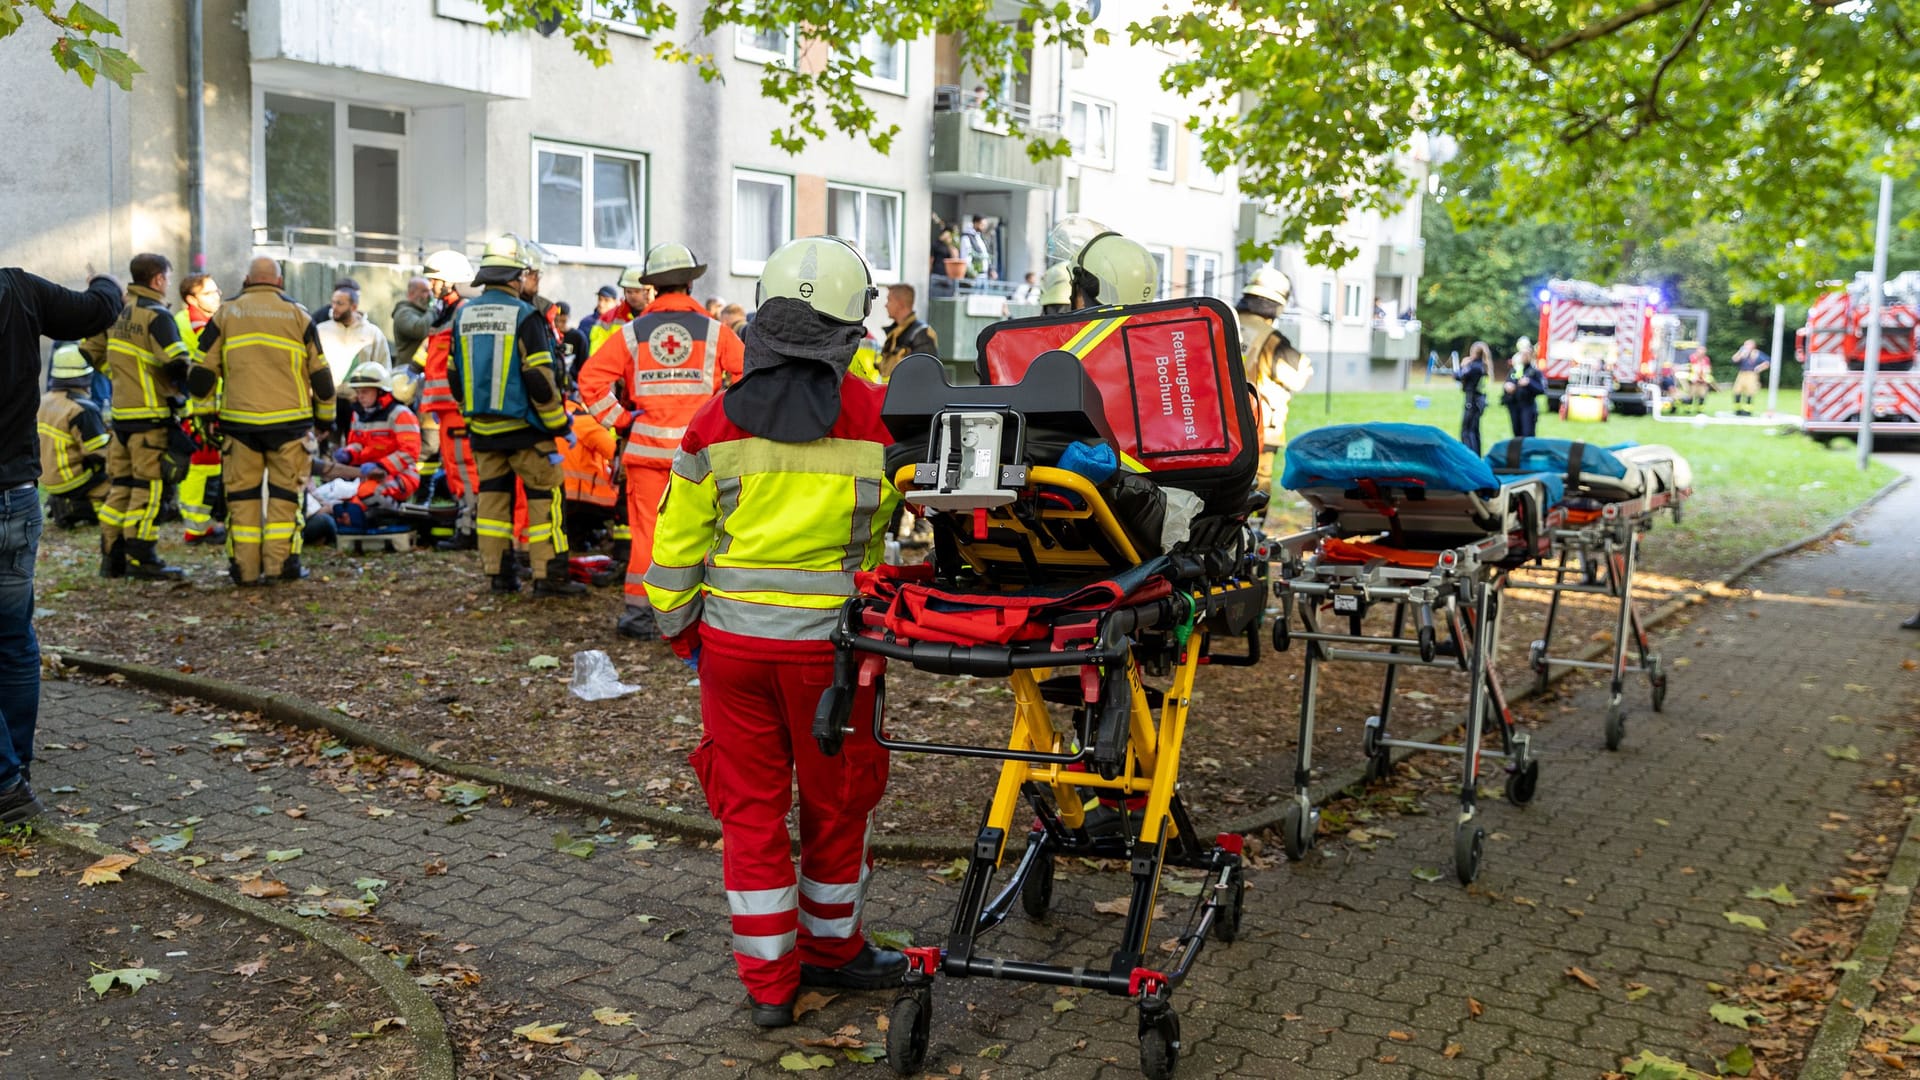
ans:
(1350, 967)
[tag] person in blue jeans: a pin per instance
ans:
(30, 307)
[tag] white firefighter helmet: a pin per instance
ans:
(449, 266)
(824, 272)
(671, 264)
(70, 365)
(633, 277)
(1106, 267)
(1056, 285)
(504, 252)
(1268, 283)
(370, 374)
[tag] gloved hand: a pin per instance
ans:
(692, 662)
(572, 440)
(343, 455)
(686, 644)
(554, 458)
(634, 416)
(369, 469)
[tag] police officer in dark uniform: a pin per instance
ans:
(1471, 375)
(1526, 384)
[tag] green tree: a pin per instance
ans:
(77, 45)
(1481, 277)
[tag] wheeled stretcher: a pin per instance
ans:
(1613, 495)
(1086, 540)
(1408, 516)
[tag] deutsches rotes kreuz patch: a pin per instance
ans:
(670, 344)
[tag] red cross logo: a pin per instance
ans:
(670, 345)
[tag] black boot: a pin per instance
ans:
(506, 579)
(18, 805)
(113, 560)
(778, 1014)
(144, 562)
(291, 570)
(872, 969)
(1911, 624)
(637, 623)
(557, 582)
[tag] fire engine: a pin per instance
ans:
(1608, 329)
(1833, 346)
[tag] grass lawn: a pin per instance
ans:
(1754, 487)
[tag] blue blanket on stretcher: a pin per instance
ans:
(1537, 455)
(1390, 455)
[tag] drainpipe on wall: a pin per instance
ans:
(196, 139)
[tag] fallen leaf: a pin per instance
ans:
(435, 868)
(1474, 1008)
(543, 1033)
(1400, 1036)
(465, 793)
(1061, 1005)
(263, 888)
(612, 1017)
(1912, 1037)
(811, 1001)
(1421, 873)
(107, 869)
(543, 662)
(1779, 894)
(1583, 978)
(131, 978)
(35, 872)
(1734, 1015)
(172, 841)
(800, 1061)
(224, 1035)
(1635, 992)
(1843, 753)
(1452, 1051)
(1651, 1066)
(1739, 1062)
(285, 854)
(251, 968)
(346, 908)
(566, 844)
(890, 939)
(1748, 921)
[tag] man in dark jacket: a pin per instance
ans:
(29, 308)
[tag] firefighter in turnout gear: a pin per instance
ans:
(646, 381)
(779, 495)
(148, 362)
(73, 442)
(262, 353)
(384, 445)
(502, 375)
(446, 271)
(1104, 268)
(1276, 370)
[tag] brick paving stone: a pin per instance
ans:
(1659, 840)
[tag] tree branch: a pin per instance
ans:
(1650, 108)
(1593, 31)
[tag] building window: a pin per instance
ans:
(1351, 295)
(1203, 273)
(757, 46)
(762, 218)
(620, 15)
(870, 220)
(1090, 130)
(1202, 177)
(1326, 299)
(1160, 149)
(1162, 265)
(588, 203)
(889, 60)
(299, 163)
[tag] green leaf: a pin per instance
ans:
(311, 911)
(953, 871)
(865, 1055)
(1912, 1037)
(891, 939)
(1748, 921)
(566, 844)
(1422, 873)
(642, 842)
(1843, 753)
(285, 854)
(1178, 887)
(1734, 1015)
(1065, 1004)
(465, 793)
(172, 841)
(1639, 992)
(131, 978)
(229, 740)
(1652, 1066)
(369, 884)
(1739, 1061)
(801, 1061)
(1779, 894)
(992, 1052)
(543, 662)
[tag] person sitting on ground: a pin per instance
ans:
(384, 444)
(73, 442)
(590, 499)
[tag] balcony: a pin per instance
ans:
(1402, 260)
(970, 153)
(435, 52)
(959, 317)
(1396, 340)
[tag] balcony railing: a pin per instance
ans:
(1396, 339)
(1402, 260)
(973, 149)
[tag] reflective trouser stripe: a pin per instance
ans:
(765, 946)
(762, 901)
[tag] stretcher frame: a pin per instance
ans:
(1597, 557)
(1459, 596)
(1126, 744)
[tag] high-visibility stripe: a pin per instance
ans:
(280, 530)
(280, 416)
(676, 578)
(827, 457)
(764, 617)
(246, 534)
(816, 926)
(649, 453)
(1091, 335)
(693, 468)
(821, 892)
(748, 902)
(739, 579)
(487, 527)
(657, 432)
(670, 620)
(765, 946)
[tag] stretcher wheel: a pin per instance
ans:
(1226, 924)
(1297, 827)
(1469, 843)
(1379, 758)
(1160, 1046)
(1429, 645)
(1282, 634)
(1522, 782)
(1660, 693)
(909, 1025)
(1036, 892)
(1616, 723)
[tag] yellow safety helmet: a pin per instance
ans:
(1056, 285)
(824, 272)
(449, 266)
(505, 252)
(670, 264)
(370, 374)
(1122, 270)
(633, 277)
(1268, 283)
(70, 363)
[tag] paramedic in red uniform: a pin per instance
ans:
(779, 494)
(645, 381)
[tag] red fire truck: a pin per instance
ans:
(1603, 330)
(1833, 346)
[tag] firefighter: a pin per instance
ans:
(748, 585)
(384, 444)
(1275, 369)
(267, 408)
(501, 370)
(148, 362)
(1105, 268)
(199, 300)
(1526, 384)
(445, 427)
(1056, 289)
(73, 442)
(1470, 376)
(635, 297)
(1749, 362)
(906, 334)
(646, 381)
(1700, 378)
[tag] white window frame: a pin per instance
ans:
(1353, 302)
(1093, 105)
(745, 50)
(1163, 255)
(1173, 133)
(895, 85)
(597, 10)
(589, 252)
(882, 275)
(753, 267)
(345, 138)
(1213, 257)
